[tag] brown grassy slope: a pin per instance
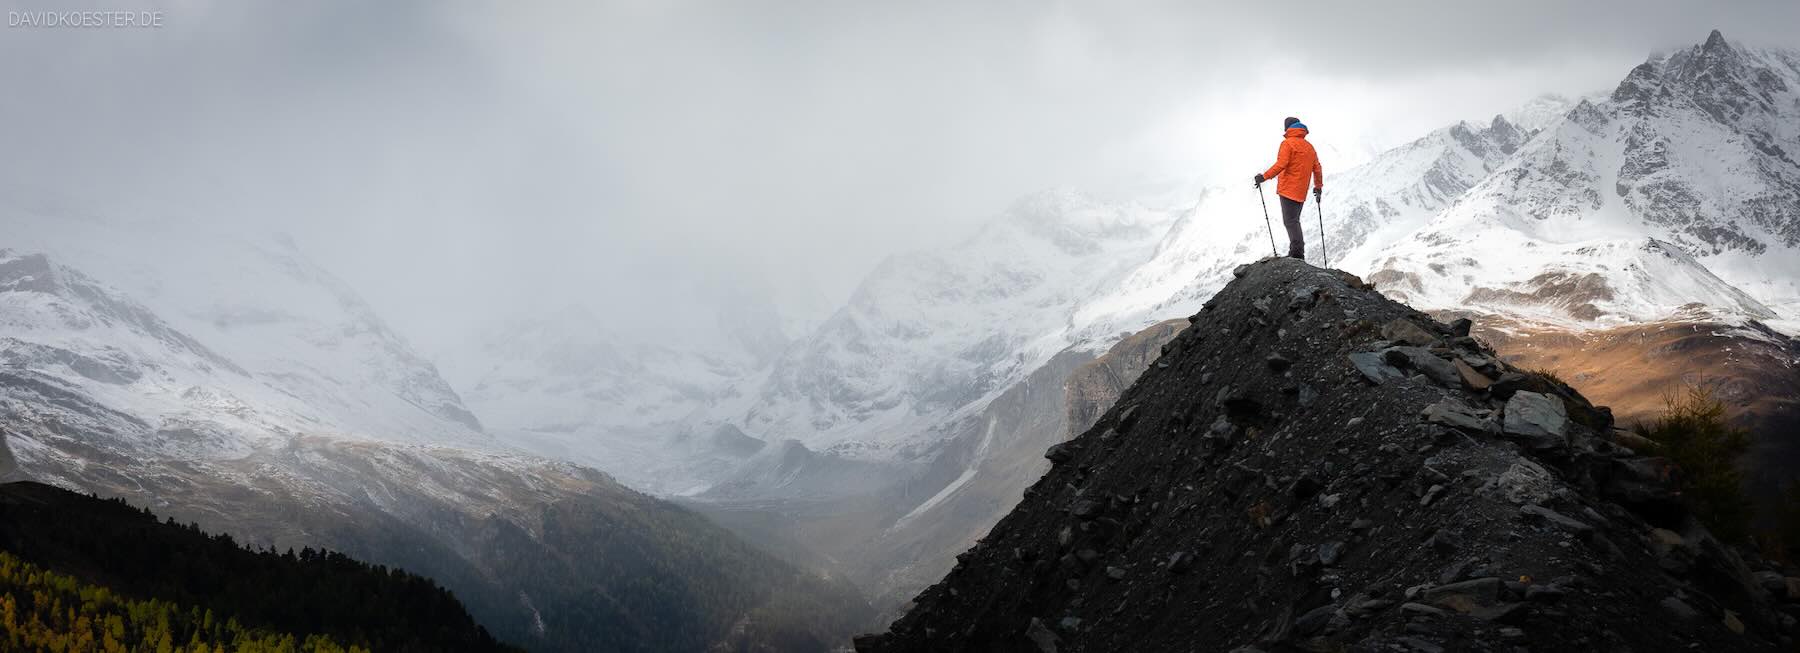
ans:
(1755, 371)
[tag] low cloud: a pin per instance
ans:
(458, 162)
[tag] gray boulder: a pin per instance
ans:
(1453, 413)
(1374, 369)
(1042, 636)
(1440, 371)
(1537, 419)
(1405, 331)
(1557, 518)
(1523, 482)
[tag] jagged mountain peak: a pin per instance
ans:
(1691, 150)
(1715, 41)
(1505, 129)
(1712, 56)
(1731, 84)
(1587, 115)
(1638, 87)
(1497, 139)
(1311, 466)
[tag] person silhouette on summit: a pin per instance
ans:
(1295, 162)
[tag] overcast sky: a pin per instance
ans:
(458, 162)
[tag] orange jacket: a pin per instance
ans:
(1295, 160)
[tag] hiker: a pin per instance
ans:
(1295, 162)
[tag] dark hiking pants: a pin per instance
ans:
(1290, 218)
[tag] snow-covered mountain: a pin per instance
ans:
(1674, 194)
(154, 344)
(1540, 112)
(926, 337)
(225, 380)
(288, 349)
(1677, 193)
(1370, 205)
(1682, 187)
(1671, 200)
(1673, 197)
(931, 333)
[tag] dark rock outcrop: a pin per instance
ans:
(1340, 502)
(1096, 385)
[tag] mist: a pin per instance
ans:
(461, 164)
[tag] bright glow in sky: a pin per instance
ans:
(462, 162)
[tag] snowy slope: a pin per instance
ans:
(569, 370)
(926, 336)
(1369, 206)
(1540, 112)
(1586, 284)
(218, 331)
(1673, 197)
(1677, 189)
(224, 380)
(931, 333)
(567, 385)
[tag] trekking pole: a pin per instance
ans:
(1266, 224)
(1319, 201)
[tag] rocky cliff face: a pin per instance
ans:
(900, 539)
(1096, 386)
(1311, 466)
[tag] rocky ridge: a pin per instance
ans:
(1311, 466)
